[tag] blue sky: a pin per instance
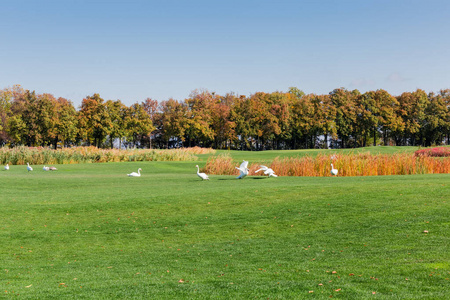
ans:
(132, 50)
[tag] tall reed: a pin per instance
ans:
(363, 164)
(38, 155)
(220, 165)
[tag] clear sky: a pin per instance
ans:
(135, 49)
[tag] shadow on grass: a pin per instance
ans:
(248, 178)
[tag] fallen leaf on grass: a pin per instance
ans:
(28, 286)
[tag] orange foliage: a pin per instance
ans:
(363, 164)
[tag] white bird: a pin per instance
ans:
(134, 174)
(203, 176)
(267, 171)
(243, 169)
(45, 168)
(29, 168)
(334, 171)
(7, 167)
(52, 168)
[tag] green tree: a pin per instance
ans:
(437, 117)
(304, 114)
(94, 121)
(66, 122)
(26, 112)
(151, 108)
(376, 113)
(117, 113)
(412, 109)
(240, 116)
(172, 121)
(7, 98)
(139, 124)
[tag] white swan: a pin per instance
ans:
(243, 169)
(29, 168)
(7, 167)
(52, 168)
(134, 174)
(334, 171)
(45, 168)
(267, 171)
(203, 176)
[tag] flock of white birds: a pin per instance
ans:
(243, 171)
(30, 168)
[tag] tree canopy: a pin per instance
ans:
(260, 121)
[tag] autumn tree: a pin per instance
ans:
(94, 121)
(151, 108)
(376, 114)
(221, 124)
(32, 122)
(344, 103)
(445, 96)
(7, 97)
(303, 115)
(139, 124)
(263, 121)
(412, 110)
(66, 122)
(437, 115)
(240, 115)
(198, 118)
(117, 113)
(172, 122)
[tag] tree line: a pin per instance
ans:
(261, 121)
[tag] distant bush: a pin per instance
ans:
(39, 155)
(434, 152)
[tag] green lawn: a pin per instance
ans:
(90, 232)
(267, 156)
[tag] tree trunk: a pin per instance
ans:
(374, 136)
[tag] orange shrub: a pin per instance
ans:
(363, 164)
(220, 165)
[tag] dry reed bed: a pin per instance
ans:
(348, 165)
(39, 155)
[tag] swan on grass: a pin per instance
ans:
(29, 168)
(52, 168)
(203, 176)
(267, 171)
(7, 167)
(45, 168)
(134, 174)
(334, 171)
(243, 170)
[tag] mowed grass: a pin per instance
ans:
(269, 155)
(90, 232)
